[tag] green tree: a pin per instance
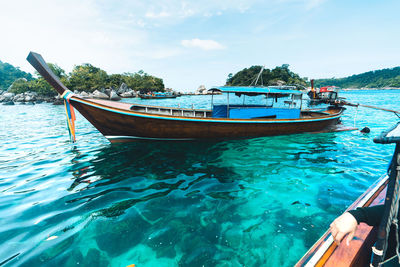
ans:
(87, 78)
(143, 82)
(20, 86)
(115, 80)
(9, 74)
(248, 76)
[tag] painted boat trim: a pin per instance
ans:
(118, 137)
(199, 120)
(322, 250)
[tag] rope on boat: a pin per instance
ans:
(69, 111)
(355, 116)
(342, 102)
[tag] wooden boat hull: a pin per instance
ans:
(121, 124)
(326, 252)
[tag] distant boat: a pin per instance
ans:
(323, 94)
(119, 121)
(157, 95)
(325, 252)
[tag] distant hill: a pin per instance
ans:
(372, 79)
(9, 73)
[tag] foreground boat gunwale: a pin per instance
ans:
(322, 250)
(214, 120)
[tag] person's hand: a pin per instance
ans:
(342, 225)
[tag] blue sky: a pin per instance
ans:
(193, 43)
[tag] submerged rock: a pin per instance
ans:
(95, 258)
(56, 249)
(8, 103)
(75, 258)
(117, 237)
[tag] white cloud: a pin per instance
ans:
(202, 44)
(162, 14)
(174, 11)
(67, 33)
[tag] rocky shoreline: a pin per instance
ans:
(30, 98)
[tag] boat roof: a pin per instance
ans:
(284, 90)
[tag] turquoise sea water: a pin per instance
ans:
(254, 202)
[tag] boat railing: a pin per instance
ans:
(254, 112)
(182, 112)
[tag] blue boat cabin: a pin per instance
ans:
(290, 110)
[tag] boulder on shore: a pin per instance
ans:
(19, 98)
(114, 96)
(122, 89)
(8, 96)
(108, 91)
(126, 94)
(99, 95)
(58, 100)
(83, 94)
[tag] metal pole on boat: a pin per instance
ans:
(227, 108)
(301, 101)
(212, 99)
(259, 75)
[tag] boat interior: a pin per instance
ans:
(218, 111)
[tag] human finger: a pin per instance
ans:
(334, 231)
(349, 237)
(339, 237)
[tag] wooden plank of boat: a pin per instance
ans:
(325, 252)
(120, 121)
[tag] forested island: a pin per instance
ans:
(385, 78)
(277, 76)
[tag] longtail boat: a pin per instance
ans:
(157, 95)
(324, 94)
(325, 252)
(120, 122)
